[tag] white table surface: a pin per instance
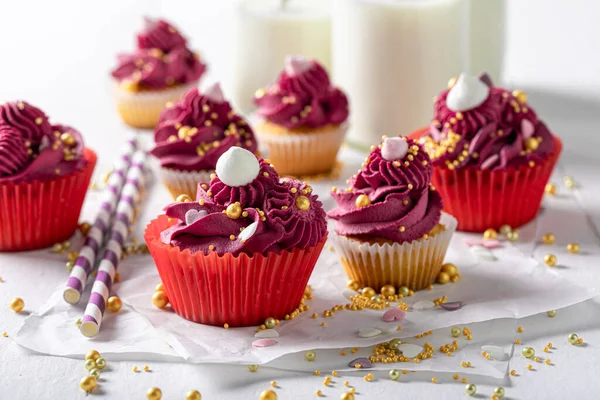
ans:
(57, 54)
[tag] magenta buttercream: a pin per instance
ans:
(305, 99)
(32, 150)
(401, 206)
(192, 134)
(161, 60)
(270, 218)
(502, 132)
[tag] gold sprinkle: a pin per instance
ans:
(146, 368)
(226, 325)
(135, 369)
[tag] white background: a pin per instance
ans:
(58, 54)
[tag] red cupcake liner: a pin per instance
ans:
(240, 291)
(489, 199)
(37, 214)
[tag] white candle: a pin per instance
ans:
(268, 30)
(392, 57)
(487, 19)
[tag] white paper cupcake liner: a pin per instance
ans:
(183, 182)
(141, 109)
(413, 264)
(301, 154)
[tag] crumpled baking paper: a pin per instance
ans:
(516, 285)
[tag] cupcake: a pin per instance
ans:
(390, 229)
(45, 171)
(305, 119)
(192, 134)
(244, 250)
(160, 70)
(491, 154)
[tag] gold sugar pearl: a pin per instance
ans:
(443, 278)
(505, 229)
(499, 392)
(470, 389)
(114, 304)
(368, 292)
(452, 81)
(572, 338)
(154, 393)
(450, 269)
(569, 182)
(455, 332)
(550, 189)
(513, 372)
(89, 365)
(310, 355)
(520, 96)
(362, 201)
(347, 396)
(183, 198)
(519, 329)
(317, 372)
(548, 238)
(302, 203)
(92, 355)
(528, 352)
(490, 234)
(88, 383)
(270, 323)
(100, 363)
(134, 369)
(193, 395)
(253, 367)
(547, 362)
(551, 313)
(318, 393)
(226, 325)
(234, 210)
(550, 260)
(529, 367)
(17, 304)
(388, 290)
(536, 359)
(273, 384)
(160, 299)
(513, 236)
(160, 287)
(573, 248)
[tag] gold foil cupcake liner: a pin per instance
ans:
(183, 182)
(141, 109)
(413, 264)
(301, 154)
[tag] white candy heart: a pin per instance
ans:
(248, 231)
(394, 148)
(194, 215)
(296, 65)
(266, 333)
(387, 329)
(423, 305)
(368, 332)
(467, 93)
(482, 253)
(496, 352)
(237, 167)
(410, 350)
(214, 93)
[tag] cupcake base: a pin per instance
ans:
(489, 199)
(141, 109)
(183, 182)
(415, 265)
(303, 151)
(238, 291)
(37, 214)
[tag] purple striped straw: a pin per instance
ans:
(95, 239)
(130, 197)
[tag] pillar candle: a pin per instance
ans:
(268, 30)
(392, 57)
(486, 36)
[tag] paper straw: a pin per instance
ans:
(95, 239)
(92, 318)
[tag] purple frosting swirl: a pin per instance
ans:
(159, 34)
(401, 205)
(303, 100)
(272, 216)
(30, 150)
(192, 134)
(162, 59)
(502, 132)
